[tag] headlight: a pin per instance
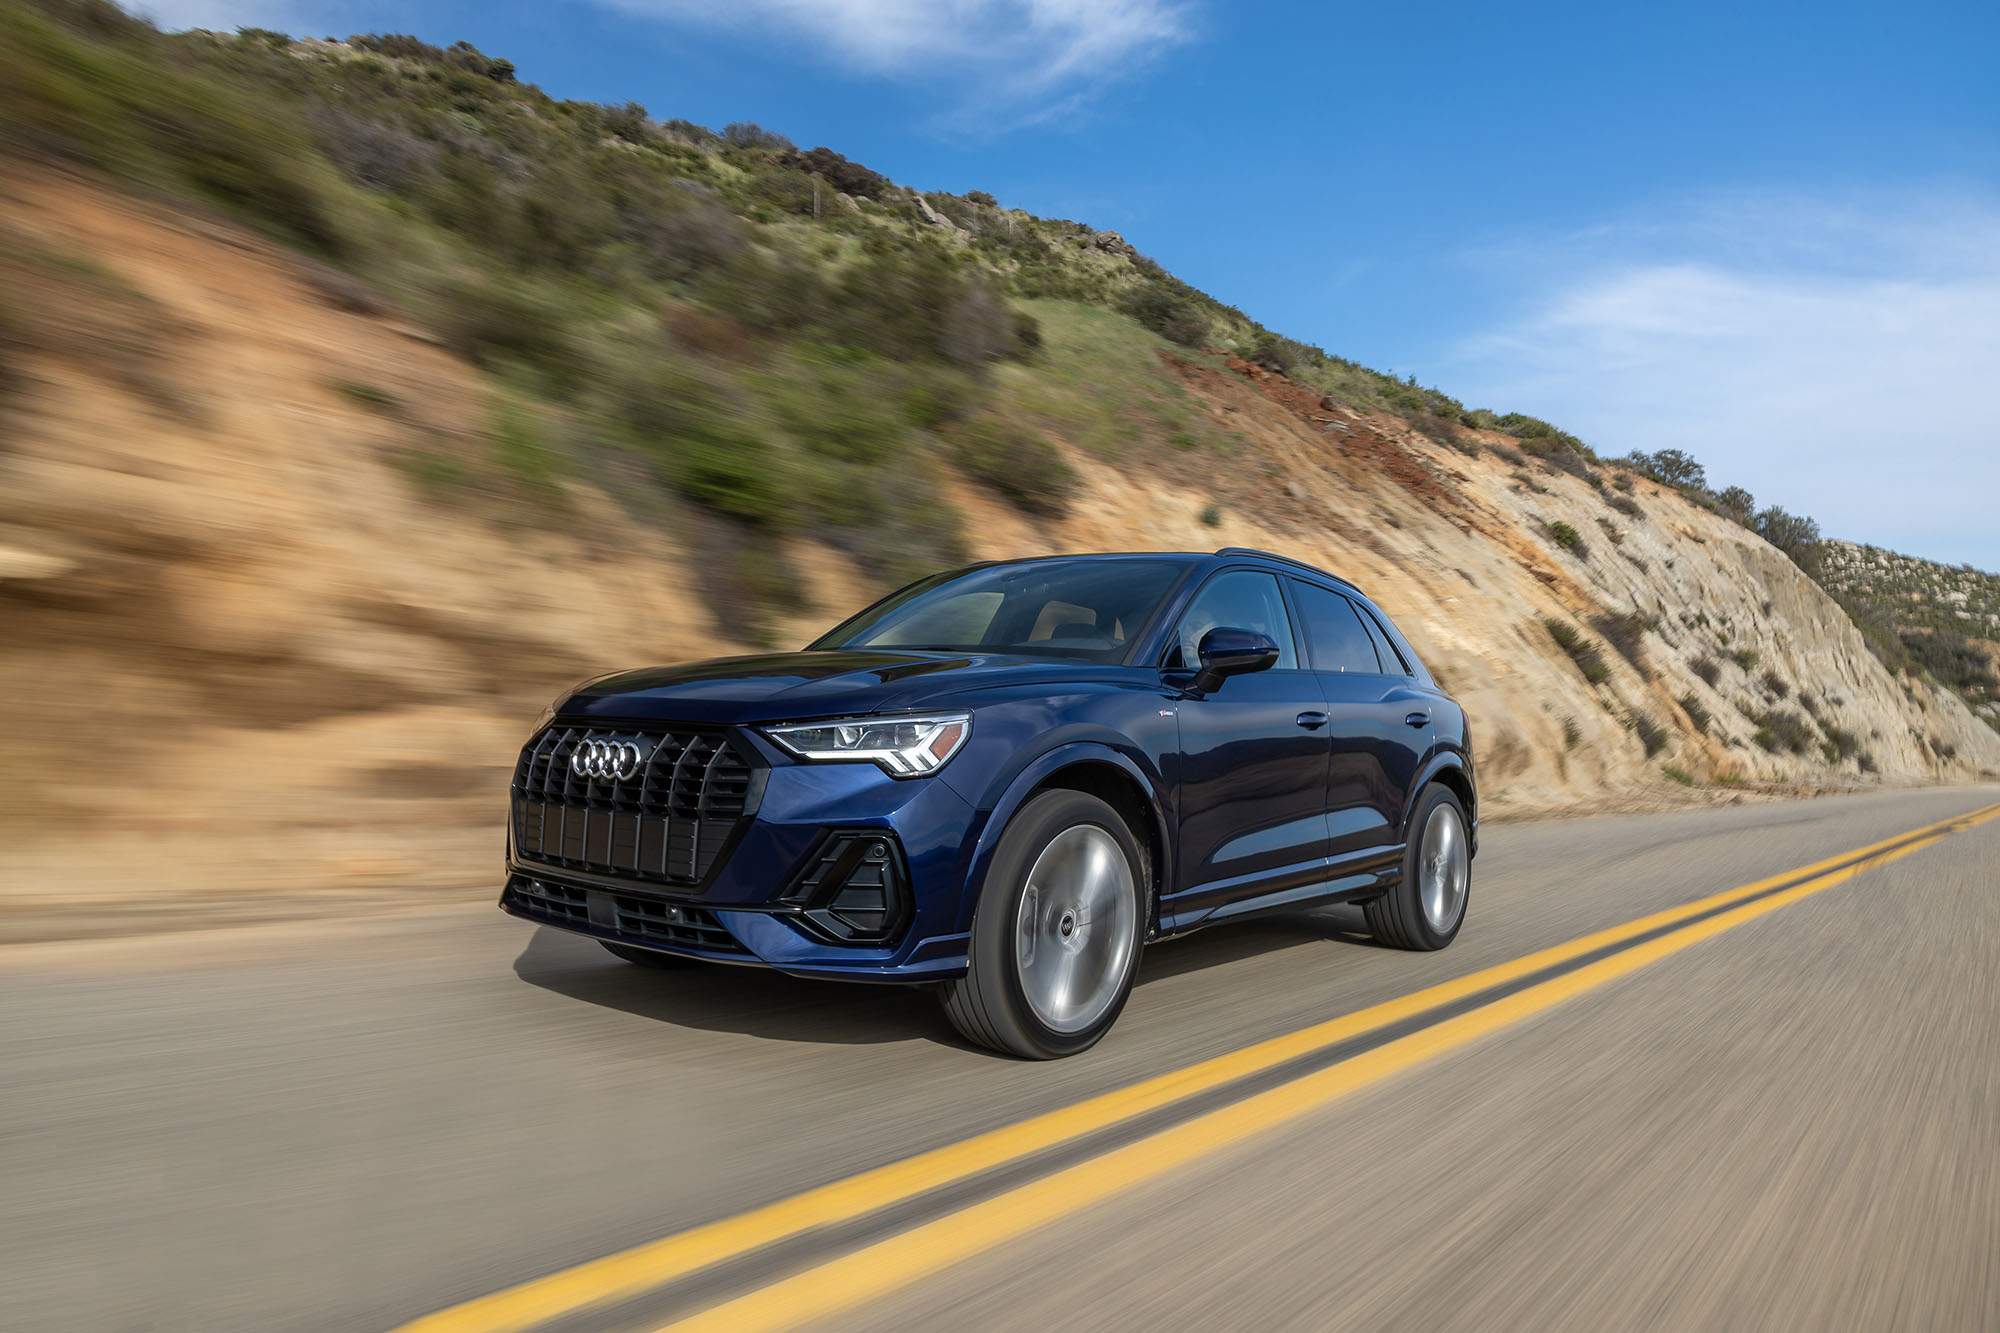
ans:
(905, 747)
(548, 716)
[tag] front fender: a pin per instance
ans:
(1033, 775)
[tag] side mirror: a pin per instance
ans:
(1232, 652)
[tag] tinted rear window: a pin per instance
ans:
(1334, 632)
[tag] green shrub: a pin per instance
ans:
(1168, 313)
(1677, 774)
(1017, 463)
(1745, 658)
(498, 320)
(1708, 669)
(1778, 685)
(1696, 710)
(371, 396)
(1572, 733)
(1794, 534)
(1625, 504)
(522, 448)
(1782, 729)
(1651, 734)
(1580, 650)
(1626, 631)
(1211, 514)
(1567, 537)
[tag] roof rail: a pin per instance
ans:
(1286, 560)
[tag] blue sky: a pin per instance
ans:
(1768, 234)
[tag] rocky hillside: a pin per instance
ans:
(356, 397)
(298, 674)
(1940, 620)
(1921, 594)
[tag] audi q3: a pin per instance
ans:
(1005, 781)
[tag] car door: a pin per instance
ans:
(1377, 730)
(1252, 767)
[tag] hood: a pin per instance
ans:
(778, 687)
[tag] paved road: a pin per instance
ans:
(348, 1124)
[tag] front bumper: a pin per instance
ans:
(756, 907)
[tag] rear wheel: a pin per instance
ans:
(669, 962)
(1427, 908)
(1055, 942)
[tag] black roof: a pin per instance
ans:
(1226, 552)
(1286, 560)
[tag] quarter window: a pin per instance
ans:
(1234, 599)
(1392, 657)
(1334, 633)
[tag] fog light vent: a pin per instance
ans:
(856, 890)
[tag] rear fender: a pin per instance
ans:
(1442, 762)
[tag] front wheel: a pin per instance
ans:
(1055, 942)
(1427, 908)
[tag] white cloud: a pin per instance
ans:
(1841, 358)
(1029, 56)
(220, 15)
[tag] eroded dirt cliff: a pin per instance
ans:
(251, 663)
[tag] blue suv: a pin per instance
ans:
(1004, 781)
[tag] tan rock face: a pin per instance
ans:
(249, 660)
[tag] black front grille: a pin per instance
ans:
(670, 923)
(642, 920)
(668, 823)
(560, 903)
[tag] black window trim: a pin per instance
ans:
(1373, 621)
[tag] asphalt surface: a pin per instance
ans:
(349, 1124)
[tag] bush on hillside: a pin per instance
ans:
(749, 134)
(1783, 730)
(843, 175)
(1696, 710)
(1018, 464)
(1736, 505)
(1626, 631)
(1794, 534)
(1671, 467)
(1167, 313)
(1568, 538)
(1580, 650)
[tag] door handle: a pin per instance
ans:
(1417, 720)
(1312, 721)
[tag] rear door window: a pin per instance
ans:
(1334, 632)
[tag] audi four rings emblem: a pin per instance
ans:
(610, 760)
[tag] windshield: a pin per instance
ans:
(1091, 609)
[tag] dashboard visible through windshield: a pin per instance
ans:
(1090, 609)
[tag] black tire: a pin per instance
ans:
(1398, 918)
(989, 1005)
(666, 962)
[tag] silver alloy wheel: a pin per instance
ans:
(1445, 868)
(1073, 935)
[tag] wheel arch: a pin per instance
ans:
(1448, 770)
(1099, 771)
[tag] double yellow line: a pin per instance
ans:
(885, 1266)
